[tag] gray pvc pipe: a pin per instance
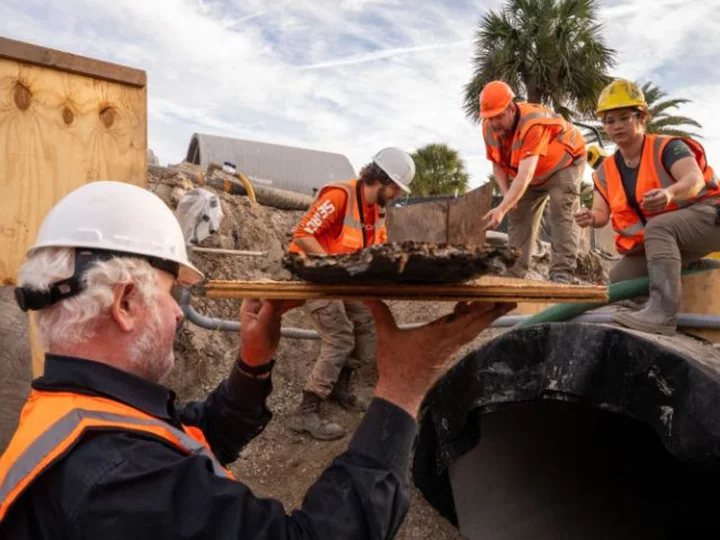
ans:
(685, 320)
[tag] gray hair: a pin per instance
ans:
(74, 320)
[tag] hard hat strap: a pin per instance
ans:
(32, 299)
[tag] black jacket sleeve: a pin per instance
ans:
(150, 491)
(232, 415)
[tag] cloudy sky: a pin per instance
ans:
(347, 76)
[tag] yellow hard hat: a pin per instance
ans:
(595, 156)
(620, 94)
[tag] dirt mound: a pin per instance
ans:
(279, 463)
(15, 365)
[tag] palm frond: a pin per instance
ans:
(549, 50)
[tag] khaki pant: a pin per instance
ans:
(347, 331)
(563, 190)
(685, 235)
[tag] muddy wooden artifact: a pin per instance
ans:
(403, 262)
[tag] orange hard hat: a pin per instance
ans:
(495, 98)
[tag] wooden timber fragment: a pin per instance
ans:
(403, 262)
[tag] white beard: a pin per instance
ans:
(149, 356)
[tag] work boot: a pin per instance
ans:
(634, 304)
(660, 315)
(343, 394)
(307, 419)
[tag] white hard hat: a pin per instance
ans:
(117, 217)
(398, 165)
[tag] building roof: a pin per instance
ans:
(284, 167)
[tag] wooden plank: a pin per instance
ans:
(489, 288)
(465, 217)
(59, 131)
(71, 63)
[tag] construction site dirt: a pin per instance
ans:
(279, 463)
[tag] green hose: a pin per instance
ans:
(621, 290)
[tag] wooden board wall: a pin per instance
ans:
(424, 222)
(64, 121)
(465, 219)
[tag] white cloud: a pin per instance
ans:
(348, 76)
(380, 55)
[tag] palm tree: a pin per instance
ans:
(550, 51)
(439, 170)
(663, 122)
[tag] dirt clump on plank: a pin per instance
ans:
(404, 262)
(279, 463)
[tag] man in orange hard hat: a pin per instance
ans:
(537, 155)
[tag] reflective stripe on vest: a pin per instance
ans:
(632, 230)
(525, 119)
(491, 138)
(55, 440)
(599, 177)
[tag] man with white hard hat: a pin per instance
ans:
(101, 450)
(345, 217)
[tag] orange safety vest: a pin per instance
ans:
(52, 423)
(352, 235)
(566, 146)
(627, 224)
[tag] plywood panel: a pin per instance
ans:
(59, 130)
(465, 219)
(489, 288)
(70, 63)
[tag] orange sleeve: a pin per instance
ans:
(327, 212)
(536, 142)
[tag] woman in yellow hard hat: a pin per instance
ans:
(664, 201)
